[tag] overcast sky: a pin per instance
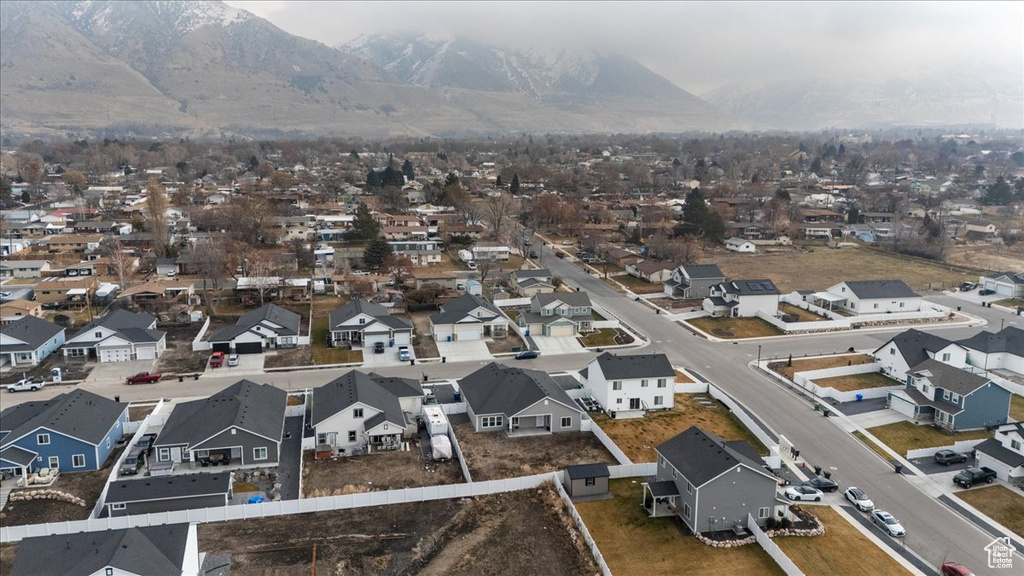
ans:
(701, 46)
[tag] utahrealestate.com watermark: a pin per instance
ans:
(1000, 553)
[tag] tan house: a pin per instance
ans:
(17, 309)
(654, 271)
(159, 291)
(526, 283)
(50, 290)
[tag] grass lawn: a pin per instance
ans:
(1000, 503)
(597, 317)
(820, 363)
(600, 337)
(637, 437)
(857, 382)
(842, 549)
(735, 327)
(1017, 407)
(870, 444)
(904, 436)
(683, 378)
(639, 285)
(324, 355)
(634, 544)
(804, 315)
(1009, 302)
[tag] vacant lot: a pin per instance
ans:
(1017, 407)
(638, 437)
(735, 327)
(472, 536)
(987, 256)
(857, 382)
(85, 485)
(787, 369)
(179, 357)
(7, 554)
(506, 344)
(804, 315)
(904, 436)
(370, 472)
(422, 343)
(842, 550)
(789, 271)
(1010, 302)
(638, 285)
(493, 455)
(999, 503)
(634, 544)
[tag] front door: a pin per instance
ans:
(634, 403)
(540, 421)
(176, 454)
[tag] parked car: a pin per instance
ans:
(143, 378)
(560, 254)
(955, 569)
(471, 265)
(822, 483)
(403, 353)
(171, 274)
(986, 292)
(527, 355)
(972, 475)
(968, 286)
(378, 347)
(133, 462)
(566, 242)
(216, 359)
(233, 360)
(888, 523)
(803, 493)
(947, 457)
(858, 498)
(31, 384)
(146, 443)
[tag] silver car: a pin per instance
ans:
(888, 523)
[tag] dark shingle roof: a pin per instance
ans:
(119, 321)
(17, 455)
(458, 309)
(355, 308)
(357, 387)
(635, 366)
(587, 471)
(868, 289)
(576, 299)
(1009, 339)
(949, 377)
(79, 413)
(162, 487)
(703, 271)
(995, 449)
(538, 273)
(34, 332)
(257, 408)
(288, 320)
(1014, 277)
(914, 345)
(700, 456)
(499, 389)
(153, 550)
(757, 287)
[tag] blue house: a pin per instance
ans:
(73, 432)
(29, 341)
(952, 398)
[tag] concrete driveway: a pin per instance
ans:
(247, 364)
(878, 418)
(387, 358)
(553, 345)
(464, 350)
(118, 371)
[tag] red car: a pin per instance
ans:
(216, 359)
(954, 569)
(144, 378)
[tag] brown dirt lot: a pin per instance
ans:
(74, 370)
(638, 437)
(1017, 408)
(988, 256)
(804, 315)
(383, 471)
(807, 364)
(7, 554)
(638, 285)
(283, 358)
(423, 344)
(842, 550)
(136, 413)
(733, 328)
(179, 357)
(471, 536)
(493, 455)
(903, 436)
(504, 345)
(85, 485)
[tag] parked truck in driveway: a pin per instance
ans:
(971, 476)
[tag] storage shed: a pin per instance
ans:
(586, 480)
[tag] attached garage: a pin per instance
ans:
(370, 339)
(470, 332)
(115, 355)
(145, 352)
(901, 405)
(560, 329)
(249, 347)
(224, 347)
(1006, 284)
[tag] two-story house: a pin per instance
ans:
(630, 386)
(1004, 453)
(364, 323)
(468, 317)
(527, 283)
(742, 298)
(912, 347)
(1003, 350)
(952, 398)
(693, 280)
(521, 402)
(559, 314)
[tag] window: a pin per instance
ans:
(42, 439)
(54, 462)
(954, 397)
(892, 351)
(876, 306)
(662, 382)
(117, 506)
(689, 488)
(108, 442)
(686, 511)
(357, 412)
(617, 385)
(658, 400)
(78, 461)
(321, 438)
(618, 400)
(259, 453)
(945, 357)
(164, 454)
(566, 421)
(491, 422)
(902, 304)
(924, 388)
(945, 395)
(98, 334)
(763, 512)
(643, 383)
(590, 482)
(351, 435)
(1015, 444)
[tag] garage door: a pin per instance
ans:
(224, 347)
(115, 355)
(560, 330)
(145, 352)
(249, 347)
(469, 332)
(1003, 289)
(902, 406)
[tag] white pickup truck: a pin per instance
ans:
(32, 384)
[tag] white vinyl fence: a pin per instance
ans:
(197, 344)
(806, 380)
(591, 543)
(619, 455)
(151, 419)
(773, 549)
(458, 454)
(959, 446)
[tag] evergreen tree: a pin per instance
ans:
(514, 186)
(498, 183)
(376, 251)
(816, 166)
(841, 153)
(998, 193)
(392, 177)
(853, 216)
(26, 198)
(373, 179)
(354, 155)
(408, 171)
(365, 226)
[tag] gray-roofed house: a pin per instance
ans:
(1004, 453)
(1003, 350)
(29, 341)
(558, 314)
(167, 493)
(23, 268)
(526, 283)
(165, 550)
(710, 483)
(359, 413)
(269, 326)
(912, 347)
(241, 424)
(742, 298)
(874, 297)
(468, 317)
(1004, 284)
(120, 336)
(693, 280)
(519, 401)
(951, 398)
(652, 271)
(629, 386)
(584, 480)
(364, 323)
(73, 432)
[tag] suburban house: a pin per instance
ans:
(23, 268)
(742, 298)
(72, 432)
(630, 386)
(468, 317)
(521, 402)
(559, 314)
(870, 297)
(167, 493)
(162, 550)
(241, 424)
(269, 326)
(72, 290)
(359, 413)
(29, 341)
(421, 252)
(740, 245)
(491, 251)
(1004, 453)
(954, 399)
(586, 480)
(1003, 350)
(18, 308)
(118, 337)
(527, 283)
(1005, 284)
(620, 257)
(912, 347)
(710, 483)
(159, 292)
(693, 280)
(364, 323)
(652, 271)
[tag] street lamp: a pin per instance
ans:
(758, 355)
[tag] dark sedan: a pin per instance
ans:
(527, 355)
(947, 457)
(821, 483)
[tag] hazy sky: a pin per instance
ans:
(699, 45)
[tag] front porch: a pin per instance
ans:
(660, 498)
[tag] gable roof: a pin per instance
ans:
(1014, 277)
(500, 389)
(457, 309)
(1009, 339)
(616, 367)
(575, 299)
(288, 320)
(34, 332)
(359, 306)
(914, 345)
(79, 413)
(701, 456)
(701, 271)
(257, 408)
(162, 487)
(649, 266)
(757, 287)
(356, 387)
(526, 274)
(948, 377)
(587, 471)
(119, 320)
(869, 289)
(152, 550)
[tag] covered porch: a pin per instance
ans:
(17, 465)
(529, 425)
(383, 435)
(827, 300)
(661, 498)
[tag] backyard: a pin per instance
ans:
(904, 436)
(422, 343)
(638, 437)
(634, 544)
(857, 382)
(803, 315)
(735, 328)
(1017, 407)
(787, 368)
(638, 285)
(370, 472)
(493, 455)
(999, 503)
(841, 550)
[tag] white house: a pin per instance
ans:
(468, 317)
(118, 337)
(871, 297)
(269, 326)
(29, 341)
(364, 323)
(742, 298)
(912, 347)
(23, 268)
(359, 413)
(630, 386)
(740, 245)
(1006, 284)
(1003, 350)
(1004, 453)
(491, 251)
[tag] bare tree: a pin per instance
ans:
(486, 265)
(259, 272)
(499, 211)
(121, 262)
(399, 266)
(156, 216)
(209, 262)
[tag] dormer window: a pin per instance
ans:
(362, 320)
